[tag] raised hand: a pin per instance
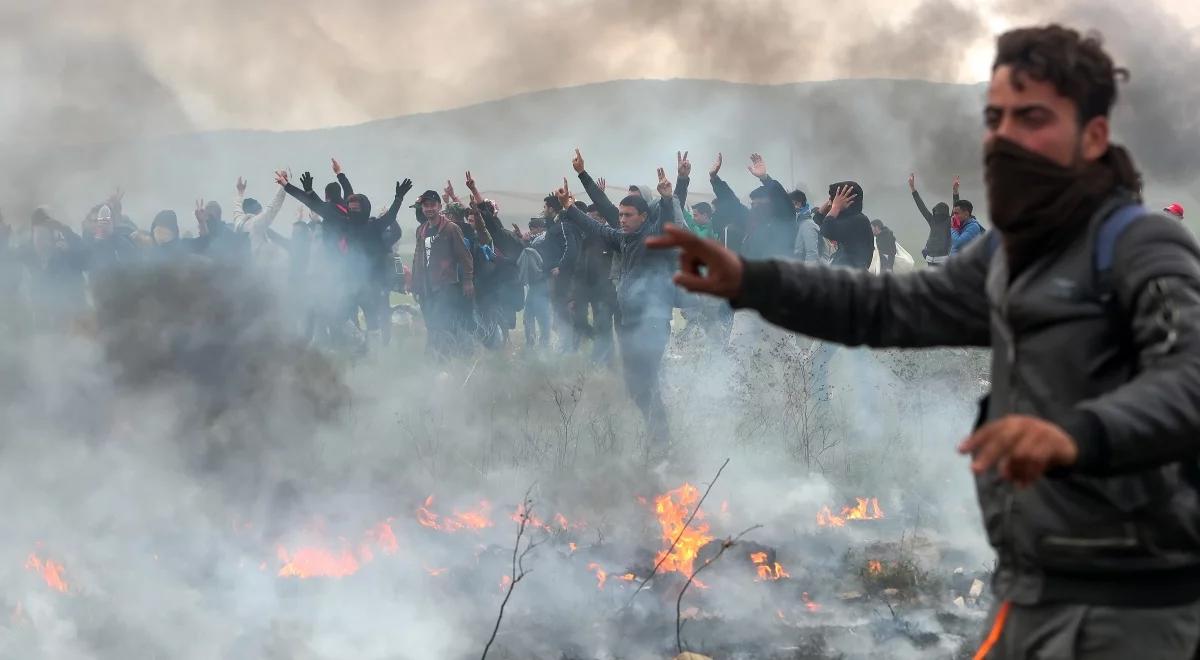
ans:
(685, 165)
(281, 177)
(471, 183)
(664, 185)
(705, 266)
(716, 168)
(450, 196)
(201, 214)
(912, 182)
(337, 167)
(955, 184)
(564, 195)
(241, 184)
(306, 180)
(518, 232)
(403, 187)
(844, 197)
(758, 166)
(577, 161)
(601, 183)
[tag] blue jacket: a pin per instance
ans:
(960, 238)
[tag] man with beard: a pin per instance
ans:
(645, 296)
(1085, 452)
(443, 277)
(937, 246)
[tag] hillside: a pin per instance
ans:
(874, 131)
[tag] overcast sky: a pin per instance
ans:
(295, 64)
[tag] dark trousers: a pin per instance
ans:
(565, 319)
(886, 262)
(442, 311)
(537, 314)
(601, 298)
(642, 347)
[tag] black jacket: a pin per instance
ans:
(852, 231)
(885, 242)
(1117, 366)
(645, 291)
(755, 233)
(560, 249)
(938, 243)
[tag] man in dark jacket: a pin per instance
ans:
(885, 245)
(768, 227)
(443, 277)
(55, 261)
(645, 296)
(842, 220)
(109, 246)
(1086, 450)
(560, 251)
(937, 246)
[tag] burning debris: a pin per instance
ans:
(470, 519)
(50, 571)
(866, 509)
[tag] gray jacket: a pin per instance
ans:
(808, 241)
(1116, 366)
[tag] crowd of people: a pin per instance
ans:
(578, 273)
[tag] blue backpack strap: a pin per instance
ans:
(1110, 230)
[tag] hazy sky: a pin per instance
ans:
(172, 65)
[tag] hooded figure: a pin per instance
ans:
(851, 229)
(937, 246)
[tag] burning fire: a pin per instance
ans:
(435, 571)
(601, 574)
(471, 519)
(50, 570)
(504, 582)
(672, 509)
(866, 509)
(809, 603)
(560, 522)
(320, 561)
(767, 571)
(874, 566)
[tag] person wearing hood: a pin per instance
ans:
(842, 220)
(217, 240)
(885, 245)
(267, 252)
(443, 277)
(645, 296)
(937, 245)
(166, 243)
(1085, 451)
(768, 226)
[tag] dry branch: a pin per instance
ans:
(518, 565)
(725, 545)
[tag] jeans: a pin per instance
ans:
(642, 346)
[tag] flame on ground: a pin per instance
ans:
(672, 510)
(874, 567)
(601, 574)
(809, 603)
(435, 572)
(504, 582)
(51, 571)
(319, 560)
(866, 509)
(471, 519)
(767, 571)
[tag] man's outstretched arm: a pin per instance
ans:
(933, 307)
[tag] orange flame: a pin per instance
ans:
(571, 546)
(435, 571)
(874, 566)
(809, 603)
(672, 509)
(629, 577)
(318, 560)
(767, 571)
(504, 582)
(50, 570)
(601, 574)
(471, 519)
(866, 509)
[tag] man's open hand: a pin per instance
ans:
(722, 267)
(758, 166)
(1020, 447)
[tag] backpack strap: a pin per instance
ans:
(1110, 230)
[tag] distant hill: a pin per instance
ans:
(519, 148)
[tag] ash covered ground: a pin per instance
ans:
(188, 482)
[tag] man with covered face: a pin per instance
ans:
(1085, 451)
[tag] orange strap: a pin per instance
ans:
(994, 634)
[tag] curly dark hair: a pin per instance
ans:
(1075, 64)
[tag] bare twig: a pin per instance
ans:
(725, 545)
(469, 374)
(681, 532)
(518, 565)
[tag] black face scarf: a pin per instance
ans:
(1039, 206)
